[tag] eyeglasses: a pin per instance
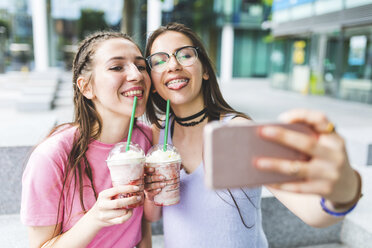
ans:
(186, 56)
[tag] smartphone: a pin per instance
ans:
(231, 149)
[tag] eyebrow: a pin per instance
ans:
(175, 50)
(124, 58)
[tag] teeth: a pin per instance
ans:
(133, 93)
(178, 81)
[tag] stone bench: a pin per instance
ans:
(36, 90)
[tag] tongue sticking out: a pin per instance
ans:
(177, 84)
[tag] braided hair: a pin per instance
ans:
(86, 119)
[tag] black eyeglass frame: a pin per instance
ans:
(173, 54)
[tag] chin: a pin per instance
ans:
(139, 112)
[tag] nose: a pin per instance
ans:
(173, 64)
(133, 74)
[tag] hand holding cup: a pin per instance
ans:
(111, 210)
(127, 168)
(163, 175)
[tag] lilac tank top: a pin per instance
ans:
(208, 218)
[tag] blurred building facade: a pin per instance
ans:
(309, 46)
(323, 47)
(15, 35)
(240, 22)
(231, 31)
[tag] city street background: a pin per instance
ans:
(270, 56)
(252, 96)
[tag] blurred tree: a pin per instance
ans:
(133, 21)
(205, 24)
(91, 21)
(267, 4)
(127, 16)
(4, 28)
(4, 35)
(131, 9)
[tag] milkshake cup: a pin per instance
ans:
(166, 163)
(127, 168)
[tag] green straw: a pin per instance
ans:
(166, 127)
(131, 123)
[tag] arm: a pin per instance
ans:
(152, 212)
(79, 235)
(105, 212)
(327, 174)
(146, 241)
(306, 207)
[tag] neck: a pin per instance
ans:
(185, 110)
(114, 130)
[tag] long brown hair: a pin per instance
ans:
(212, 96)
(87, 120)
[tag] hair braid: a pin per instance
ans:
(86, 119)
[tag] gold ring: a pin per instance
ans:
(330, 128)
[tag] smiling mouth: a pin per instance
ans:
(133, 93)
(177, 84)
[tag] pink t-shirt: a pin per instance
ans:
(42, 184)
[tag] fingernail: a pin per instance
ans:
(158, 190)
(135, 187)
(263, 163)
(269, 131)
(138, 198)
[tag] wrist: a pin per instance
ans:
(92, 220)
(348, 204)
(338, 209)
(338, 212)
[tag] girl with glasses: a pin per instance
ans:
(67, 195)
(182, 72)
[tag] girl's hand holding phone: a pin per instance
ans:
(328, 172)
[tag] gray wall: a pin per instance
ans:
(12, 163)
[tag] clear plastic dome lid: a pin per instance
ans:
(118, 152)
(156, 154)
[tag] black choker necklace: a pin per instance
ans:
(182, 121)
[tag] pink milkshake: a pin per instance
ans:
(127, 168)
(166, 163)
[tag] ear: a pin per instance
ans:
(205, 76)
(85, 87)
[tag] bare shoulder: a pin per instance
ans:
(155, 134)
(239, 119)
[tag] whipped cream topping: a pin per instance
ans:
(161, 156)
(129, 155)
